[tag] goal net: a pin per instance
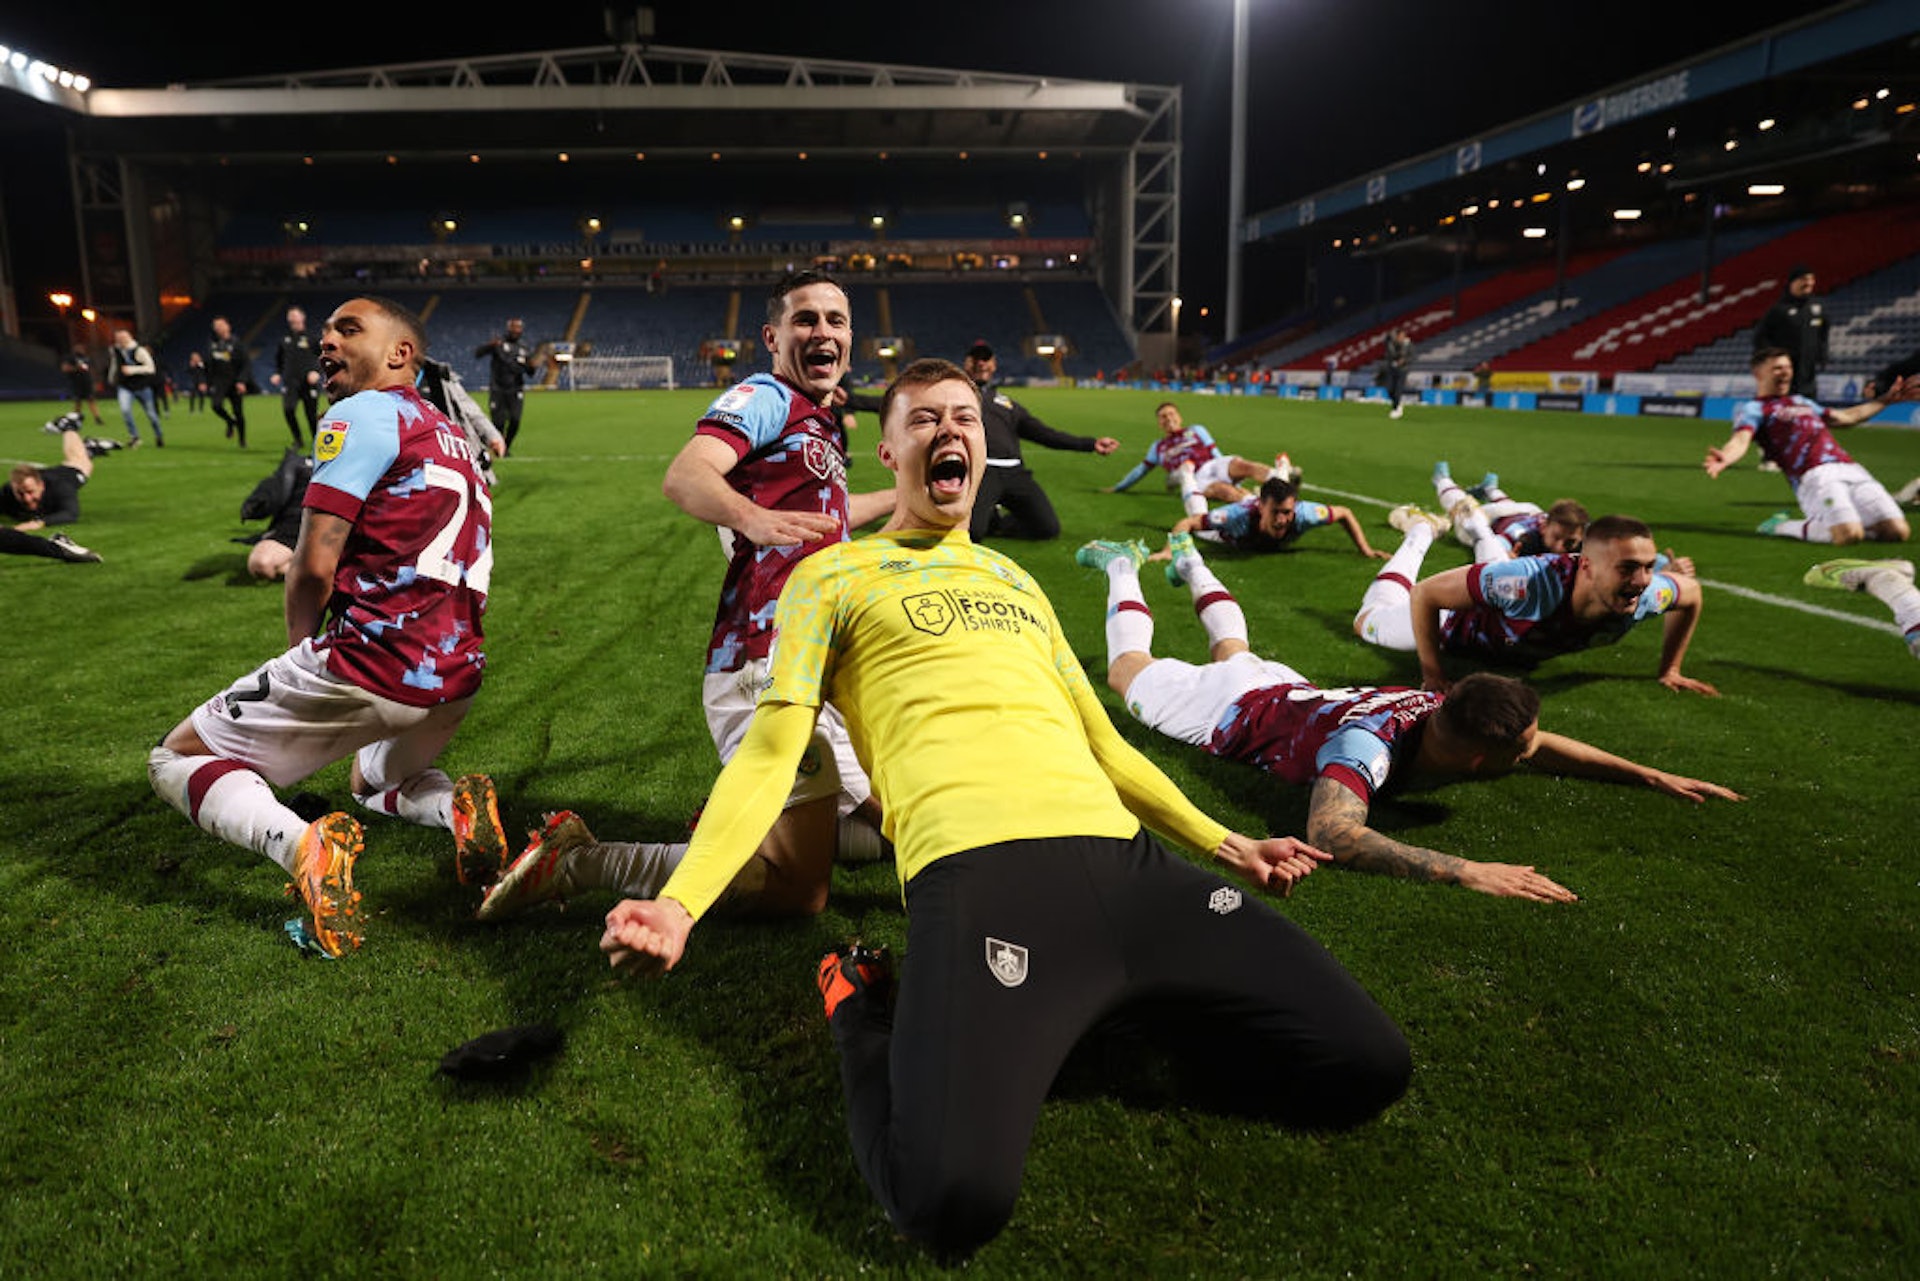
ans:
(598, 371)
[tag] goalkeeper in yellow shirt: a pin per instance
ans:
(1037, 901)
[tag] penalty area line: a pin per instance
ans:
(1732, 589)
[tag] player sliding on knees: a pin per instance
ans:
(766, 465)
(384, 599)
(1037, 902)
(1350, 744)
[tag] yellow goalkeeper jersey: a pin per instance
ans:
(964, 702)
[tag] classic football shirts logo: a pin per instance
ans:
(976, 611)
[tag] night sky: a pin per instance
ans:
(1337, 86)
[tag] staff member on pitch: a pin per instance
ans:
(1007, 482)
(1037, 902)
(296, 371)
(509, 363)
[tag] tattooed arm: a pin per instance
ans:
(1337, 823)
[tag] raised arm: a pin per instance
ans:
(1337, 823)
(1853, 415)
(1677, 633)
(1721, 457)
(648, 936)
(697, 484)
(1558, 754)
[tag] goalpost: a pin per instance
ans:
(623, 372)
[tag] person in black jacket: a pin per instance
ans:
(510, 361)
(296, 371)
(228, 380)
(1011, 503)
(1797, 324)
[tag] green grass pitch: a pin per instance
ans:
(1708, 1066)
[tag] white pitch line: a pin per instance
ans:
(1874, 624)
(1732, 589)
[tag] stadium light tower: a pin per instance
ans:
(1237, 170)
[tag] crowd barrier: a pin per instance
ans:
(1610, 404)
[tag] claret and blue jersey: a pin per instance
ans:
(1300, 732)
(1522, 611)
(1792, 433)
(792, 457)
(411, 585)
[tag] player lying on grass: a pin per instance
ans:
(1209, 473)
(1037, 901)
(1272, 521)
(1349, 744)
(384, 599)
(1840, 501)
(1499, 527)
(1525, 611)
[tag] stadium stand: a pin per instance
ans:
(1870, 323)
(1667, 322)
(1080, 312)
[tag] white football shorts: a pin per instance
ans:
(291, 717)
(730, 698)
(1186, 700)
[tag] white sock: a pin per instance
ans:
(861, 842)
(636, 869)
(1489, 548)
(229, 800)
(1190, 496)
(1385, 616)
(426, 799)
(1219, 613)
(1804, 530)
(1901, 596)
(1447, 492)
(1406, 561)
(1129, 621)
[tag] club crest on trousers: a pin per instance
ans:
(1007, 962)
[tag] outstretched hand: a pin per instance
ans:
(1509, 880)
(1717, 462)
(1690, 789)
(646, 936)
(1273, 864)
(1686, 684)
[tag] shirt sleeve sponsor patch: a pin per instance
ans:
(734, 403)
(331, 440)
(1505, 590)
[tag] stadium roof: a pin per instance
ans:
(1700, 118)
(619, 100)
(621, 97)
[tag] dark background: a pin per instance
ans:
(1337, 87)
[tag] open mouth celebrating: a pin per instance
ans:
(949, 472)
